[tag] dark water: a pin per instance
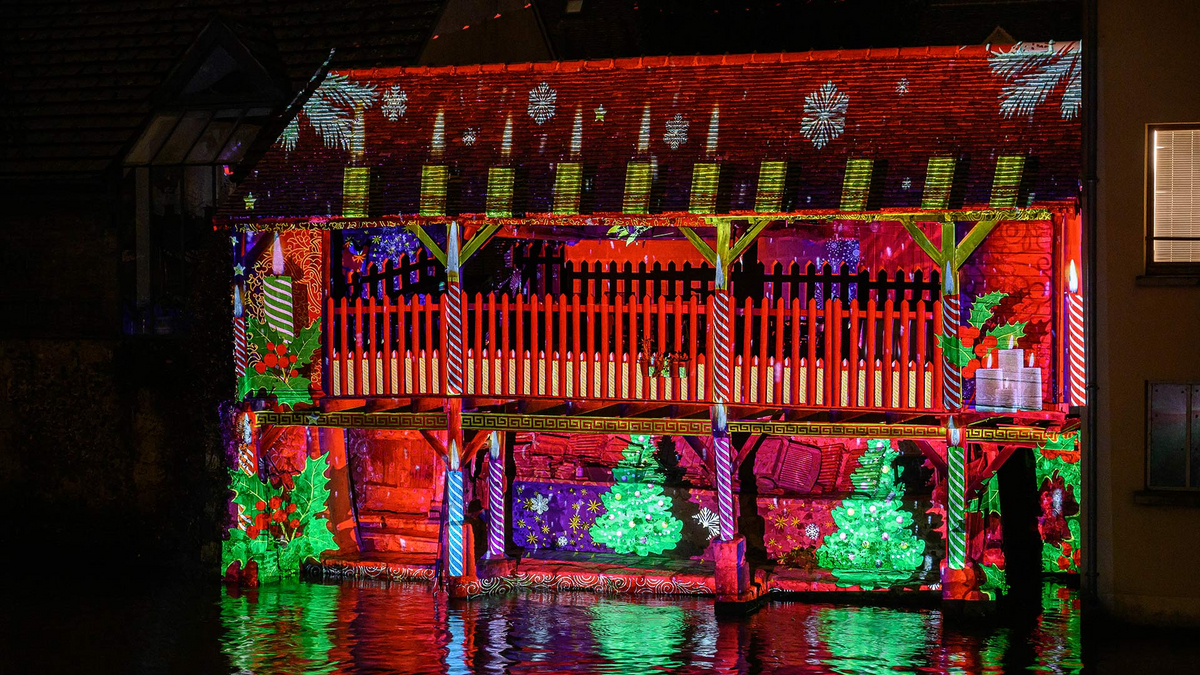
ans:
(366, 628)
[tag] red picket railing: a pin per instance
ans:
(787, 351)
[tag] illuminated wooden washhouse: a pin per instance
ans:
(722, 325)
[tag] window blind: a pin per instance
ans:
(1176, 209)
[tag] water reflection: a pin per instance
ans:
(367, 628)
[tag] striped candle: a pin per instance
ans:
(951, 374)
(277, 295)
(956, 530)
(722, 346)
(723, 461)
(239, 333)
(1078, 391)
(495, 498)
(454, 534)
(454, 339)
(277, 304)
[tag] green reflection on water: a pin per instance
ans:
(872, 639)
(283, 628)
(645, 635)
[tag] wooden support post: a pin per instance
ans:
(332, 442)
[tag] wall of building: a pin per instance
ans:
(110, 453)
(1147, 73)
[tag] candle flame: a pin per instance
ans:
(643, 144)
(438, 143)
(948, 281)
(237, 302)
(277, 257)
(1030, 359)
(577, 134)
(713, 127)
(506, 141)
(1072, 278)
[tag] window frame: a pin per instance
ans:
(1153, 267)
(1193, 404)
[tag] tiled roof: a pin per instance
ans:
(78, 76)
(814, 112)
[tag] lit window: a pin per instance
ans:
(1173, 460)
(1173, 211)
(574, 6)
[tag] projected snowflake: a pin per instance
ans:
(469, 136)
(709, 521)
(677, 129)
(902, 86)
(542, 101)
(824, 115)
(539, 504)
(395, 103)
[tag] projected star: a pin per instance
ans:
(239, 270)
(600, 113)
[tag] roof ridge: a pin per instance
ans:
(639, 62)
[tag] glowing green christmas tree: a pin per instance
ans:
(875, 534)
(639, 516)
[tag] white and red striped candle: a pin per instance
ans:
(1075, 336)
(277, 295)
(239, 333)
(495, 474)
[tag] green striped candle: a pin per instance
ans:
(277, 296)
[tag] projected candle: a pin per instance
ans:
(239, 333)
(277, 295)
(1078, 392)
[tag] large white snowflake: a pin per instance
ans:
(902, 86)
(812, 531)
(542, 101)
(677, 129)
(395, 103)
(1033, 70)
(539, 504)
(709, 521)
(470, 135)
(562, 542)
(824, 115)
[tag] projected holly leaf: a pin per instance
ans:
(306, 343)
(249, 385)
(954, 351)
(1014, 331)
(984, 307)
(311, 488)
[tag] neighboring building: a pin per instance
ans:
(121, 127)
(1147, 294)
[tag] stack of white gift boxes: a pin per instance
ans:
(1012, 386)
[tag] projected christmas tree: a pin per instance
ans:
(875, 534)
(639, 516)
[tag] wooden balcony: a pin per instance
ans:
(791, 353)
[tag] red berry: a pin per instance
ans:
(260, 505)
(293, 373)
(261, 520)
(276, 501)
(278, 516)
(293, 523)
(260, 367)
(291, 358)
(252, 532)
(271, 360)
(270, 346)
(281, 349)
(291, 507)
(990, 341)
(981, 349)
